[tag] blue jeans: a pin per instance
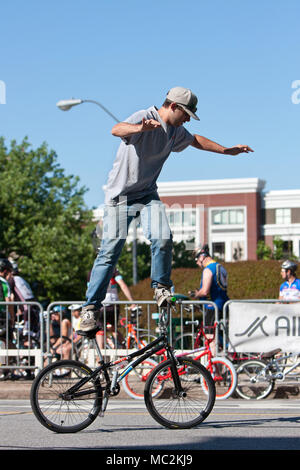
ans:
(116, 221)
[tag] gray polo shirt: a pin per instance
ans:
(140, 157)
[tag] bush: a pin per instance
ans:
(247, 280)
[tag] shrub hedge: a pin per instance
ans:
(246, 280)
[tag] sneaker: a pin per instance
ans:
(87, 318)
(163, 296)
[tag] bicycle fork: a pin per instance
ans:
(178, 390)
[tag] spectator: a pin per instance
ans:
(5, 296)
(213, 284)
(22, 292)
(61, 332)
(110, 309)
(290, 288)
(75, 310)
(7, 314)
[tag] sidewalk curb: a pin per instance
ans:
(20, 390)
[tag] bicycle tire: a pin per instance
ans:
(57, 414)
(254, 380)
(225, 377)
(180, 412)
(134, 382)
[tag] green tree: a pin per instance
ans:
(44, 221)
(143, 262)
(278, 248)
(263, 251)
(182, 258)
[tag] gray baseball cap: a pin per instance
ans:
(185, 98)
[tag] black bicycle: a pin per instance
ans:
(174, 393)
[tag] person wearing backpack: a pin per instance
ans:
(214, 281)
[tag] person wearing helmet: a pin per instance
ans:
(213, 285)
(290, 288)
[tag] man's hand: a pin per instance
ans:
(237, 150)
(149, 125)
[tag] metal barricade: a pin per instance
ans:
(137, 328)
(21, 349)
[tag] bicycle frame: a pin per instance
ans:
(131, 333)
(141, 355)
(281, 375)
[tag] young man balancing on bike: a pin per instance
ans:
(147, 139)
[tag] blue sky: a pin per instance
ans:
(239, 58)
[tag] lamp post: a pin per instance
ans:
(66, 105)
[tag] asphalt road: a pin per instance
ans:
(233, 425)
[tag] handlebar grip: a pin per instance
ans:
(195, 322)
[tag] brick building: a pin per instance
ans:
(230, 215)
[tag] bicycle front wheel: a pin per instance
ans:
(224, 375)
(254, 380)
(185, 408)
(55, 408)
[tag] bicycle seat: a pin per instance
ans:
(269, 354)
(89, 334)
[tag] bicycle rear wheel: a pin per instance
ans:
(60, 413)
(185, 341)
(187, 408)
(254, 380)
(134, 382)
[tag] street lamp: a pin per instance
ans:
(66, 105)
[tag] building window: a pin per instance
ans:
(179, 218)
(218, 251)
(287, 249)
(227, 216)
(283, 216)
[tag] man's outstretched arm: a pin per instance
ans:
(202, 143)
(125, 129)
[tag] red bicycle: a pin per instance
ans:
(221, 369)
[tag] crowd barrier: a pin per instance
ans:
(21, 349)
(247, 326)
(135, 326)
(32, 352)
